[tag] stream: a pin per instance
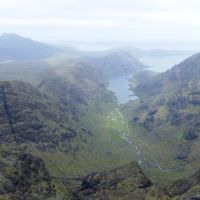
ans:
(141, 158)
(120, 87)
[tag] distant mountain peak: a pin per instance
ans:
(16, 47)
(9, 34)
(12, 36)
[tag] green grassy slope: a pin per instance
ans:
(165, 121)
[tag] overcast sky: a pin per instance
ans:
(118, 22)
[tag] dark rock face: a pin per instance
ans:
(195, 197)
(27, 115)
(176, 118)
(126, 182)
(191, 135)
(32, 172)
(149, 122)
(24, 177)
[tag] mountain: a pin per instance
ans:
(56, 122)
(136, 52)
(29, 116)
(65, 116)
(63, 112)
(142, 52)
(15, 47)
(166, 117)
(116, 63)
(63, 135)
(179, 76)
(57, 129)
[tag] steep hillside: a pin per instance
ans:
(59, 123)
(64, 121)
(82, 91)
(174, 79)
(165, 120)
(28, 116)
(59, 116)
(60, 110)
(15, 47)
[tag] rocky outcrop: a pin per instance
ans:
(126, 182)
(186, 189)
(191, 135)
(23, 176)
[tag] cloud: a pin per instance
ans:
(100, 20)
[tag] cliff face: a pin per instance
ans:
(28, 116)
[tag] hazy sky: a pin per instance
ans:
(142, 22)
